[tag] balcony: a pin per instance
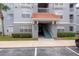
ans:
(43, 10)
(71, 21)
(71, 9)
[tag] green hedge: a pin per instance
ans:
(21, 35)
(66, 34)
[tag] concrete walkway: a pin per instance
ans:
(39, 43)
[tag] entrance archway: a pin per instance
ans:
(43, 29)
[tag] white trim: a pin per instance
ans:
(60, 27)
(22, 22)
(65, 23)
(10, 25)
(35, 52)
(45, 19)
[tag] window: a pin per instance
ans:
(16, 7)
(71, 16)
(71, 28)
(61, 16)
(26, 28)
(7, 30)
(60, 30)
(71, 5)
(58, 8)
(77, 7)
(56, 3)
(24, 6)
(21, 30)
(26, 15)
(42, 5)
(11, 15)
(61, 4)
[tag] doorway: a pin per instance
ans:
(43, 30)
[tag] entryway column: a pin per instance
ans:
(35, 29)
(54, 29)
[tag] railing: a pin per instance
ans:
(46, 33)
(43, 10)
(71, 20)
(71, 9)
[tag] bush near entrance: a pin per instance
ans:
(66, 34)
(21, 35)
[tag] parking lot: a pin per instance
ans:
(40, 51)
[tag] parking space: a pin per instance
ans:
(41, 51)
(56, 51)
(17, 52)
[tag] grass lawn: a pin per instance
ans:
(67, 38)
(8, 38)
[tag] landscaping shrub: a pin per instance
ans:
(66, 34)
(22, 35)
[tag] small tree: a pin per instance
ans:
(3, 8)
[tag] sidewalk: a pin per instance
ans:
(39, 43)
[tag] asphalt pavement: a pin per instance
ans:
(40, 51)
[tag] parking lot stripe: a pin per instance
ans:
(35, 52)
(72, 51)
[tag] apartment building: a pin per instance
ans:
(41, 19)
(77, 18)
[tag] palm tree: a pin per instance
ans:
(3, 8)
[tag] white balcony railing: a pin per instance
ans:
(71, 21)
(71, 9)
(43, 10)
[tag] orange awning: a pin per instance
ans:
(49, 16)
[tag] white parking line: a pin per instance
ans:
(72, 51)
(35, 52)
